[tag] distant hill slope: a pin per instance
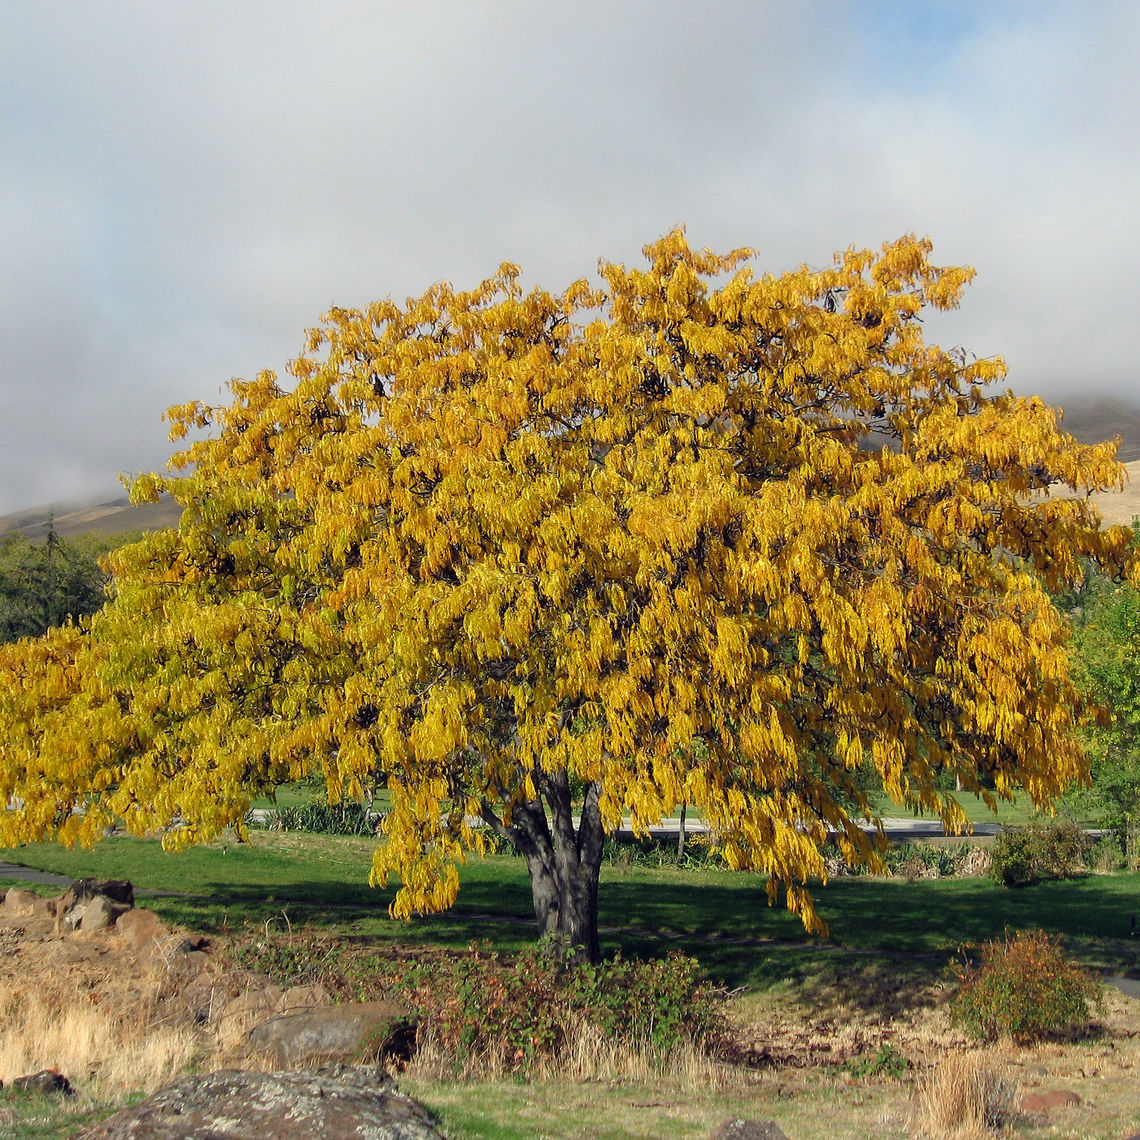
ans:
(115, 516)
(1122, 507)
(1104, 418)
(1095, 419)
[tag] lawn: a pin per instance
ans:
(720, 917)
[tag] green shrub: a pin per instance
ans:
(928, 860)
(915, 860)
(699, 852)
(482, 1013)
(1029, 855)
(1024, 989)
(488, 1013)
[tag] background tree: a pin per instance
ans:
(45, 582)
(1107, 651)
(641, 540)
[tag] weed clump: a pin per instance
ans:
(1024, 989)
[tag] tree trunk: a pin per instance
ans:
(681, 833)
(564, 862)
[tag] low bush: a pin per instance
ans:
(1025, 989)
(918, 861)
(487, 1014)
(482, 1013)
(932, 861)
(699, 852)
(1029, 855)
(887, 1062)
(322, 818)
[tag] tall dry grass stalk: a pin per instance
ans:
(585, 1054)
(107, 1046)
(967, 1096)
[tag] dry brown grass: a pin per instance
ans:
(587, 1056)
(66, 1021)
(966, 1096)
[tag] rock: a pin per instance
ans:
(43, 908)
(332, 1101)
(1047, 1101)
(82, 891)
(140, 927)
(237, 1017)
(360, 1031)
(44, 1082)
(737, 1129)
(297, 998)
(19, 902)
(97, 913)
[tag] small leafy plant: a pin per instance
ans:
(1025, 989)
(885, 1062)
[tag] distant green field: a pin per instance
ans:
(1014, 814)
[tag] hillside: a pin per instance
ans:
(112, 516)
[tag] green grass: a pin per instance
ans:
(25, 1116)
(300, 794)
(1012, 814)
(721, 917)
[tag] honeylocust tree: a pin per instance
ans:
(540, 562)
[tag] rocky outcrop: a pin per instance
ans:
(97, 913)
(117, 896)
(333, 1101)
(359, 1031)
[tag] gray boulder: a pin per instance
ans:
(96, 913)
(737, 1129)
(82, 891)
(332, 1101)
(360, 1031)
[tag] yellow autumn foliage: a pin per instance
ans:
(696, 534)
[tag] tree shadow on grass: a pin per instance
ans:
(883, 933)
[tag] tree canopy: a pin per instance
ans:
(539, 562)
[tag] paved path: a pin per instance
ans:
(32, 875)
(897, 828)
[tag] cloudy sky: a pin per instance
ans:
(185, 187)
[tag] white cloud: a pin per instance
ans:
(185, 188)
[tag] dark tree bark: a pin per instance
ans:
(564, 858)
